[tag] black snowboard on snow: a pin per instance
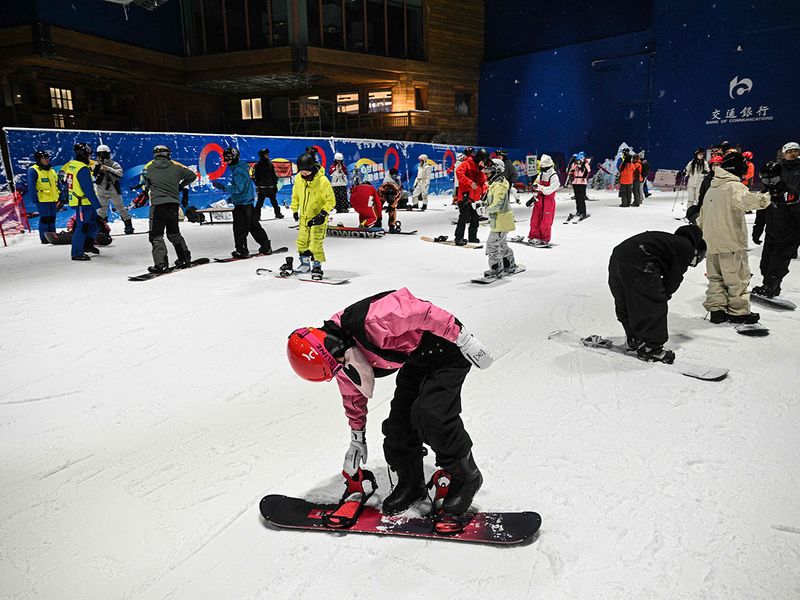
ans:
(776, 302)
(148, 276)
(280, 250)
(481, 528)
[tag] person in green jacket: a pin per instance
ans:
(312, 200)
(501, 220)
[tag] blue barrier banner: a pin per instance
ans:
(202, 153)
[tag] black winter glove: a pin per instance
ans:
(757, 237)
(530, 202)
(185, 197)
(219, 185)
(296, 216)
(318, 220)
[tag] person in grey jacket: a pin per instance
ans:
(164, 180)
(107, 174)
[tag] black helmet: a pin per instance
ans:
(735, 163)
(770, 173)
(468, 151)
(264, 152)
(230, 155)
(700, 151)
(695, 235)
(83, 151)
(501, 153)
(306, 162)
(481, 156)
(161, 151)
(39, 155)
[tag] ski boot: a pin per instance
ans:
(410, 488)
(158, 269)
(265, 249)
(748, 319)
(495, 271)
(509, 265)
(316, 272)
(655, 354)
(128, 227)
(287, 268)
(465, 481)
(719, 316)
(240, 254)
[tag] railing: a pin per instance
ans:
(384, 121)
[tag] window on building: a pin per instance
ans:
(258, 22)
(332, 25)
(415, 28)
(420, 98)
(463, 103)
(314, 21)
(354, 17)
(61, 98)
(214, 26)
(395, 17)
(347, 103)
(251, 109)
(236, 24)
(58, 121)
(379, 101)
(376, 27)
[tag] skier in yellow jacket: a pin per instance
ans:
(312, 200)
(501, 219)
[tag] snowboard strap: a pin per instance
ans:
(352, 503)
(442, 522)
(596, 341)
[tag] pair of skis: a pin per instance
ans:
(353, 515)
(575, 219)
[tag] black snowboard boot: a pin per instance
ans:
(410, 488)
(495, 270)
(509, 265)
(465, 481)
(770, 288)
(461, 242)
(128, 227)
(632, 343)
(82, 257)
(655, 354)
(240, 254)
(719, 316)
(265, 249)
(474, 240)
(748, 319)
(158, 269)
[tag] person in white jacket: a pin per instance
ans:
(696, 170)
(338, 173)
(421, 183)
(107, 174)
(545, 203)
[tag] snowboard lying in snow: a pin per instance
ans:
(776, 302)
(607, 346)
(495, 528)
(148, 276)
(228, 259)
(301, 276)
(442, 239)
(487, 280)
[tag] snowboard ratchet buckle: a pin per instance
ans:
(353, 500)
(443, 523)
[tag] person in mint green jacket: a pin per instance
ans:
(501, 220)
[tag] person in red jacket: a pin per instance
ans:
(471, 188)
(367, 203)
(628, 172)
(751, 170)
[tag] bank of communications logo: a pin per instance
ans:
(739, 87)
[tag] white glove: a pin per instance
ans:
(474, 350)
(357, 453)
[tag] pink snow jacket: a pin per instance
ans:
(580, 172)
(395, 322)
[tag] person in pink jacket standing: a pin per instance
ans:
(432, 352)
(545, 203)
(579, 174)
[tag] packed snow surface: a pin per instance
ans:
(141, 423)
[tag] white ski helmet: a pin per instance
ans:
(103, 148)
(791, 146)
(545, 161)
(338, 156)
(423, 157)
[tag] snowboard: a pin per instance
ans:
(446, 242)
(706, 373)
(495, 528)
(61, 238)
(754, 330)
(360, 232)
(412, 232)
(304, 277)
(487, 280)
(148, 276)
(521, 240)
(280, 250)
(776, 302)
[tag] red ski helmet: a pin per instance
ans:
(748, 155)
(715, 160)
(309, 356)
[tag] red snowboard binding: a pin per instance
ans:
(353, 500)
(443, 523)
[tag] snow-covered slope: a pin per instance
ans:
(141, 423)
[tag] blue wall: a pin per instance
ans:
(664, 104)
(160, 29)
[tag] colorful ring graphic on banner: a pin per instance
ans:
(323, 160)
(390, 151)
(452, 156)
(208, 149)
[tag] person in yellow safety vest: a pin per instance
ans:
(43, 188)
(80, 187)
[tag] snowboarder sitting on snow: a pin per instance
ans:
(390, 192)
(643, 273)
(312, 201)
(725, 231)
(366, 202)
(501, 221)
(433, 352)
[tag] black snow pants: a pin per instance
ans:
(780, 242)
(245, 220)
(640, 301)
(264, 193)
(426, 407)
(467, 215)
(165, 217)
(580, 198)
